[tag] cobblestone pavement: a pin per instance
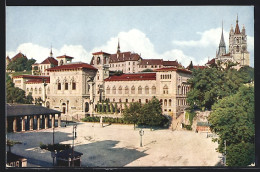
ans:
(119, 145)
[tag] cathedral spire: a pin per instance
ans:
(222, 42)
(118, 47)
(237, 31)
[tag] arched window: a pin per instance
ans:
(165, 89)
(35, 91)
(139, 90)
(108, 90)
(40, 90)
(120, 90)
(170, 102)
(133, 90)
(126, 90)
(98, 60)
(27, 89)
(165, 102)
(114, 90)
(153, 90)
(31, 90)
(146, 90)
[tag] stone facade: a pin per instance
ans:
(237, 47)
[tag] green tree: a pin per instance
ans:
(21, 64)
(211, 84)
(111, 107)
(116, 108)
(15, 94)
(233, 119)
(102, 107)
(107, 107)
(132, 113)
(151, 114)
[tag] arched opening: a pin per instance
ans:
(139, 90)
(126, 90)
(133, 90)
(48, 104)
(98, 60)
(153, 90)
(86, 107)
(165, 89)
(114, 90)
(120, 90)
(146, 90)
(165, 102)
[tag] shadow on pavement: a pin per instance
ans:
(103, 154)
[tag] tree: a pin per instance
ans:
(111, 107)
(21, 64)
(11, 143)
(233, 119)
(132, 113)
(151, 114)
(15, 94)
(211, 84)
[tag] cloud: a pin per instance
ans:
(136, 41)
(208, 38)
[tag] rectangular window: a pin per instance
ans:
(133, 100)
(59, 86)
(73, 86)
(126, 100)
(140, 101)
(66, 86)
(146, 100)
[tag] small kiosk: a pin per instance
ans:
(68, 158)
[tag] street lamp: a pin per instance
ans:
(53, 153)
(74, 135)
(141, 132)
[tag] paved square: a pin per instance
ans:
(119, 145)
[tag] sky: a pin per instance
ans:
(183, 33)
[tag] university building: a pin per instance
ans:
(74, 88)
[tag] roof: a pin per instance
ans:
(132, 77)
(212, 61)
(199, 67)
(237, 30)
(173, 69)
(72, 66)
(50, 60)
(19, 55)
(31, 76)
(11, 157)
(37, 81)
(100, 52)
(171, 63)
(64, 56)
(66, 154)
(124, 56)
(151, 62)
(28, 109)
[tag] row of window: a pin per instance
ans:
(66, 86)
(37, 91)
(183, 90)
(164, 102)
(118, 65)
(126, 90)
(169, 76)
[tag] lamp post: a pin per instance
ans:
(74, 135)
(53, 153)
(141, 133)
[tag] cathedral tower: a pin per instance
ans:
(222, 45)
(238, 45)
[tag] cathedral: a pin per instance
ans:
(238, 53)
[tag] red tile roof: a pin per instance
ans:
(211, 61)
(171, 63)
(72, 66)
(132, 77)
(124, 56)
(173, 69)
(199, 67)
(37, 81)
(50, 60)
(64, 56)
(99, 53)
(31, 76)
(151, 62)
(17, 56)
